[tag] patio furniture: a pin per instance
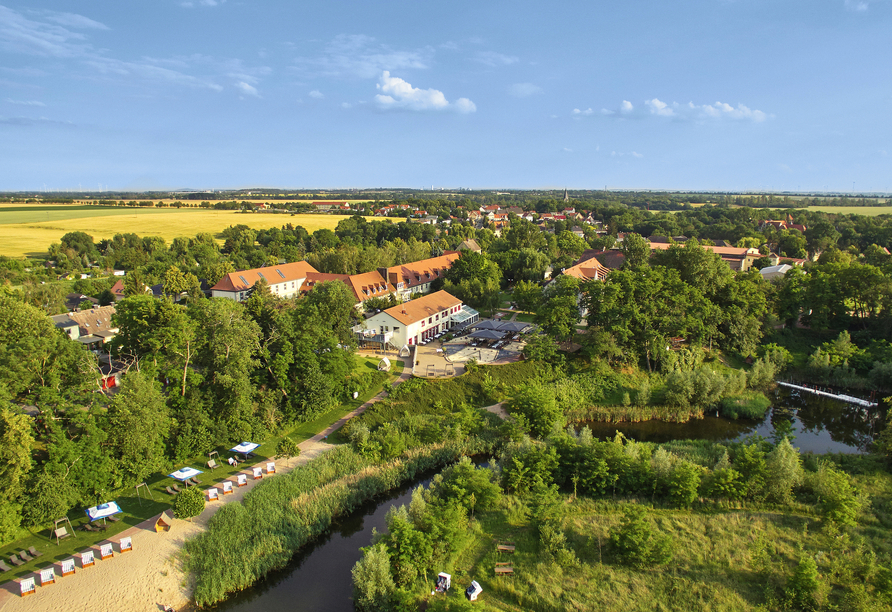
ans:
(175, 488)
(24, 556)
(16, 561)
(34, 552)
(60, 534)
(171, 491)
(5, 567)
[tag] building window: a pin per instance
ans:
(396, 329)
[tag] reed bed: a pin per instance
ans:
(247, 540)
(634, 414)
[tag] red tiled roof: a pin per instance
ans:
(590, 269)
(421, 272)
(423, 307)
(245, 279)
(363, 286)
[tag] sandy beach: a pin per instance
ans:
(150, 577)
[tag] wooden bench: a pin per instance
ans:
(504, 569)
(505, 548)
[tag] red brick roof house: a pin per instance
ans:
(417, 277)
(284, 280)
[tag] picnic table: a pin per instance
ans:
(504, 569)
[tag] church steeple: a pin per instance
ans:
(566, 195)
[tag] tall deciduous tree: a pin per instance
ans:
(138, 423)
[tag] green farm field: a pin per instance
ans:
(29, 230)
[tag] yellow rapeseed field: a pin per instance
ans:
(34, 238)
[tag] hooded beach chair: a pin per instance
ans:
(213, 495)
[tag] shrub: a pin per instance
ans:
(538, 406)
(636, 542)
(373, 585)
(783, 472)
(188, 503)
(287, 448)
(762, 373)
(838, 499)
(745, 406)
(684, 483)
(803, 585)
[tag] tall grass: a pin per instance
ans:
(635, 414)
(245, 541)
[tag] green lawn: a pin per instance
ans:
(136, 510)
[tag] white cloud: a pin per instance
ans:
(587, 111)
(23, 35)
(859, 6)
(658, 107)
(25, 102)
(191, 4)
(346, 105)
(637, 154)
(247, 89)
(316, 94)
(523, 90)
(72, 20)
(721, 109)
(568, 150)
(397, 93)
(690, 111)
(362, 56)
(493, 59)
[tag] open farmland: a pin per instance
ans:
(867, 211)
(29, 230)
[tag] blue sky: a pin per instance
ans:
(701, 94)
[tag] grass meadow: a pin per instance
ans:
(29, 230)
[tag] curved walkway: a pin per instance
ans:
(151, 577)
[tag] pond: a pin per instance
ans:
(819, 424)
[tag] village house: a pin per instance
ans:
(92, 327)
(416, 321)
(363, 286)
(469, 245)
(284, 280)
(417, 277)
(738, 259)
(589, 269)
(783, 224)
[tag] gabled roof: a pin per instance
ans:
(423, 307)
(118, 290)
(590, 269)
(88, 321)
(469, 245)
(724, 252)
(424, 271)
(245, 279)
(363, 286)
